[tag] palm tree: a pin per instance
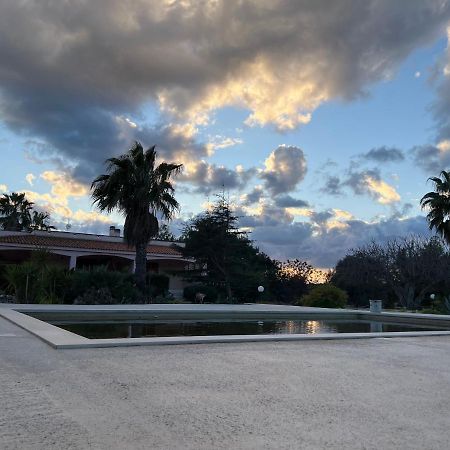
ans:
(438, 204)
(39, 221)
(139, 189)
(15, 212)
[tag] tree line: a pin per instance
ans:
(226, 261)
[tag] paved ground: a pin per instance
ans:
(366, 394)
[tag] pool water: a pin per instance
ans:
(136, 329)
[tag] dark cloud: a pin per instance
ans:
(72, 71)
(321, 217)
(431, 159)
(362, 182)
(270, 215)
(252, 197)
(286, 201)
(209, 178)
(332, 186)
(401, 212)
(285, 168)
(357, 180)
(326, 247)
(384, 155)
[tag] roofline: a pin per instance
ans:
(87, 237)
(67, 251)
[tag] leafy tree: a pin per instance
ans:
(438, 204)
(224, 256)
(405, 269)
(164, 233)
(363, 274)
(293, 277)
(17, 214)
(416, 267)
(139, 189)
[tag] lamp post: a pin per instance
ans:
(260, 291)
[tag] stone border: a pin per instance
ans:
(61, 339)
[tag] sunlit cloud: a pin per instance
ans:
(63, 185)
(219, 142)
(285, 167)
(384, 193)
(30, 178)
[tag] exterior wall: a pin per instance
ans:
(176, 283)
(76, 257)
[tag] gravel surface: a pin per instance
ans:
(362, 394)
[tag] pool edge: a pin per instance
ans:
(59, 338)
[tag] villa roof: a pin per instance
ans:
(89, 244)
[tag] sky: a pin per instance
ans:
(321, 121)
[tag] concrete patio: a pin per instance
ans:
(352, 394)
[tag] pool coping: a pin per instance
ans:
(59, 338)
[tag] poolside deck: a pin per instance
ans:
(353, 394)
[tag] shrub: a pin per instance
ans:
(121, 285)
(95, 296)
(37, 281)
(325, 296)
(159, 285)
(190, 292)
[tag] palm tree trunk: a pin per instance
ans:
(141, 265)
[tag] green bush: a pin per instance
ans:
(210, 292)
(121, 285)
(325, 296)
(37, 280)
(95, 296)
(159, 285)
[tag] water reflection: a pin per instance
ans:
(312, 327)
(143, 328)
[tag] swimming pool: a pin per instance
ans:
(90, 326)
(153, 328)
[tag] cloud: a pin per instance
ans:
(332, 186)
(30, 178)
(208, 178)
(284, 169)
(96, 66)
(63, 185)
(363, 182)
(89, 225)
(379, 189)
(174, 143)
(286, 201)
(254, 196)
(402, 212)
(384, 154)
(323, 246)
(432, 158)
(62, 188)
(218, 142)
(264, 215)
